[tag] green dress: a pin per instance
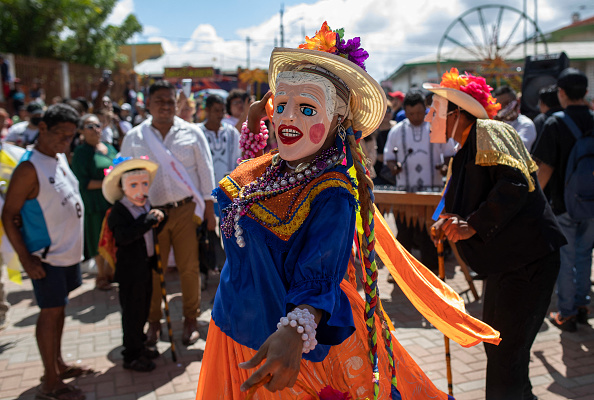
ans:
(88, 164)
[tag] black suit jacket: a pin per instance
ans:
(514, 227)
(132, 259)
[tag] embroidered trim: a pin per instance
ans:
(264, 212)
(302, 210)
(271, 239)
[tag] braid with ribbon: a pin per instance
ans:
(367, 245)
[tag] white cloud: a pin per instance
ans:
(122, 9)
(149, 30)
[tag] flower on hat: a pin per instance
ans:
(474, 86)
(324, 40)
(330, 41)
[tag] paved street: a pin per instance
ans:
(562, 364)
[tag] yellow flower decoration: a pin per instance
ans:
(452, 79)
(324, 40)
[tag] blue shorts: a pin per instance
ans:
(52, 291)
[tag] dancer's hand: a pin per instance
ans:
(257, 112)
(455, 228)
(282, 351)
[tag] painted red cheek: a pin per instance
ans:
(316, 133)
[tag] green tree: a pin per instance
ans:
(69, 30)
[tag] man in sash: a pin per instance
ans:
(182, 187)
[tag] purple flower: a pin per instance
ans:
(352, 50)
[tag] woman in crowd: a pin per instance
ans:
(237, 107)
(88, 163)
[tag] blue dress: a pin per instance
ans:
(299, 262)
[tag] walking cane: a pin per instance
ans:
(164, 295)
(446, 340)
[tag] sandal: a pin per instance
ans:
(567, 324)
(73, 371)
(68, 392)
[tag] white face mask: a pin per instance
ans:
(135, 185)
(437, 117)
(300, 118)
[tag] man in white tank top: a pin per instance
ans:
(43, 220)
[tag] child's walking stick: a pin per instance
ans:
(164, 295)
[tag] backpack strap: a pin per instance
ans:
(569, 123)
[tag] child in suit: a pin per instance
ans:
(132, 223)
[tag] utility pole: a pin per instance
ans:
(247, 42)
(282, 29)
(525, 27)
(536, 24)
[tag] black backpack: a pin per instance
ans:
(579, 175)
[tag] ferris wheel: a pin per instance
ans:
(489, 35)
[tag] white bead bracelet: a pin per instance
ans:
(305, 324)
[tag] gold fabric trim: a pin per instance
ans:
(298, 216)
(229, 186)
(498, 143)
(284, 231)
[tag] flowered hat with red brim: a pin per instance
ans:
(468, 92)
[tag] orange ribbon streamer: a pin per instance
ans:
(435, 300)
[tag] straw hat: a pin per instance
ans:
(112, 191)
(368, 100)
(461, 99)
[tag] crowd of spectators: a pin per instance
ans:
(199, 136)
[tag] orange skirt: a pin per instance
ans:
(346, 368)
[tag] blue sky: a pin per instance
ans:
(392, 31)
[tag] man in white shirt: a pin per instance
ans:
(223, 139)
(510, 113)
(182, 188)
(417, 166)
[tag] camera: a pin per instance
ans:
(106, 75)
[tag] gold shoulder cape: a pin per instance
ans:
(499, 143)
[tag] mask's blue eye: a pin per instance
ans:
(308, 111)
(280, 108)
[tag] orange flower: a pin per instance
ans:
(324, 40)
(453, 80)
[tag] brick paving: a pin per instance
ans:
(562, 364)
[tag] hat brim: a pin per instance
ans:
(461, 99)
(111, 188)
(368, 100)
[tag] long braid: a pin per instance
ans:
(372, 301)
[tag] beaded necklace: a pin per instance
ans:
(273, 183)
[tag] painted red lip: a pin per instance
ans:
(289, 134)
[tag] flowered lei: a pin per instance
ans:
(474, 86)
(332, 42)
